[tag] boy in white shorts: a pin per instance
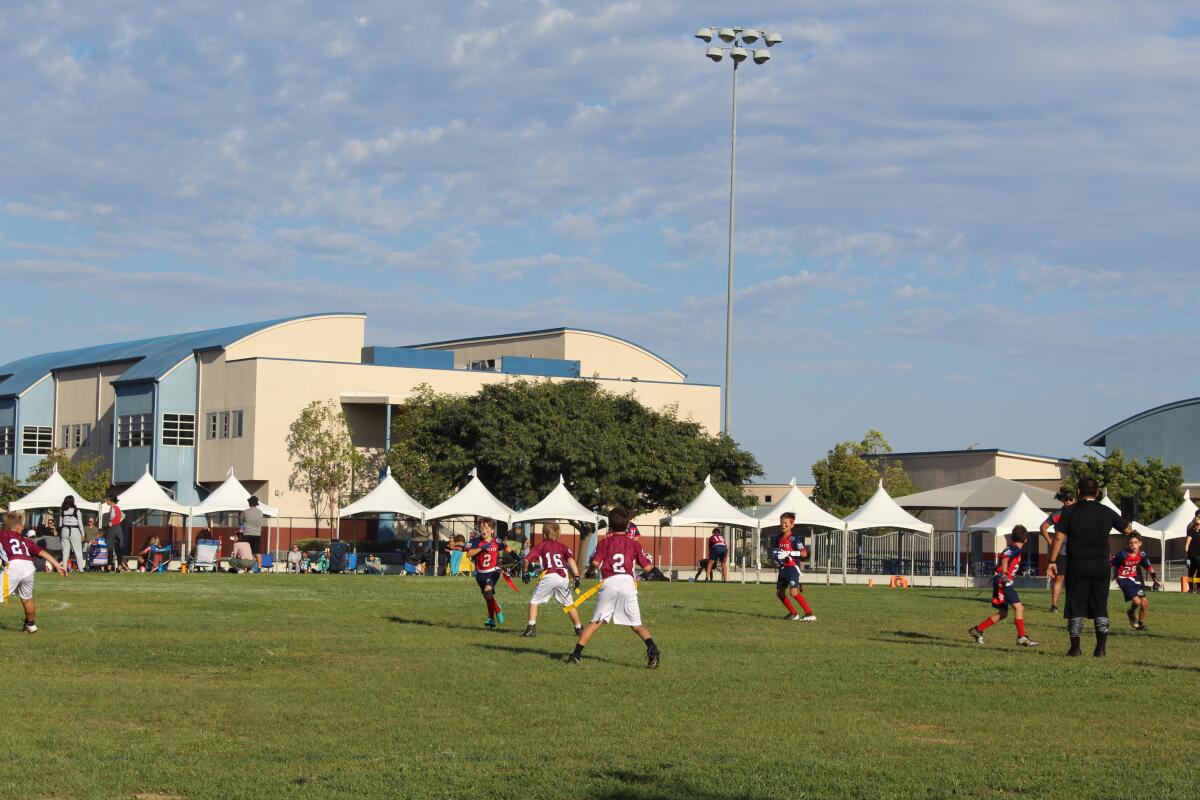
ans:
(17, 552)
(618, 603)
(558, 566)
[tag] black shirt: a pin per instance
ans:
(1087, 525)
(1194, 548)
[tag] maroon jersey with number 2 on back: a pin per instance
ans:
(617, 554)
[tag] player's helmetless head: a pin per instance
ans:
(13, 520)
(786, 520)
(487, 526)
(550, 531)
(1134, 541)
(1019, 535)
(618, 520)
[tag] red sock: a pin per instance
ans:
(791, 608)
(491, 605)
(987, 623)
(1021, 628)
(803, 604)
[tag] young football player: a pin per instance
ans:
(1004, 595)
(788, 552)
(617, 603)
(1125, 569)
(559, 570)
(485, 550)
(701, 569)
(1067, 498)
(718, 553)
(18, 551)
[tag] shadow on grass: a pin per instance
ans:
(1172, 667)
(980, 596)
(554, 655)
(738, 613)
(921, 639)
(448, 625)
(632, 785)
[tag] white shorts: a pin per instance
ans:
(553, 586)
(618, 603)
(18, 579)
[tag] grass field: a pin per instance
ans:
(222, 686)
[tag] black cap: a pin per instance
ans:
(253, 500)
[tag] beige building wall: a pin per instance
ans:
(607, 357)
(766, 494)
(86, 395)
(335, 337)
(935, 470)
(538, 346)
(227, 386)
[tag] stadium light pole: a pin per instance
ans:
(736, 39)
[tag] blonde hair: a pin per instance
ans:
(550, 531)
(13, 520)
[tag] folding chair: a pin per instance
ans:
(456, 563)
(97, 555)
(206, 556)
(268, 562)
(158, 559)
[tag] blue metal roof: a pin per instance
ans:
(155, 357)
(1099, 440)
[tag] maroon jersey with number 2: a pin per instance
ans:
(617, 554)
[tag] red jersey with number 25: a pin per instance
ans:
(617, 554)
(15, 547)
(552, 556)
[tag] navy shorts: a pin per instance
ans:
(1002, 595)
(789, 577)
(718, 554)
(1131, 588)
(487, 579)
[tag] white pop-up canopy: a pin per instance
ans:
(230, 496)
(146, 495)
(50, 493)
(709, 507)
(559, 504)
(1174, 525)
(1143, 530)
(386, 498)
(807, 512)
(881, 511)
(1022, 512)
(473, 500)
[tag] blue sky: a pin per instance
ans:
(959, 223)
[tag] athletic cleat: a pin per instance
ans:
(809, 618)
(573, 659)
(691, 580)
(578, 631)
(1131, 615)
(530, 632)
(1141, 626)
(1025, 641)
(976, 634)
(791, 616)
(29, 627)
(489, 623)
(1053, 609)
(652, 658)
(1099, 652)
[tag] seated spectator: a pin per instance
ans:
(242, 557)
(152, 555)
(294, 559)
(306, 564)
(373, 565)
(322, 565)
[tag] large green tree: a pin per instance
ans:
(845, 479)
(522, 435)
(324, 458)
(88, 475)
(1157, 487)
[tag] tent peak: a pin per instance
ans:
(474, 472)
(708, 480)
(792, 482)
(229, 472)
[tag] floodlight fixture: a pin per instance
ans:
(738, 54)
(715, 53)
(772, 39)
(761, 56)
(705, 33)
(727, 35)
(750, 36)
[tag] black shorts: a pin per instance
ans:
(718, 555)
(255, 543)
(1131, 588)
(1061, 563)
(1003, 594)
(788, 578)
(487, 579)
(1087, 596)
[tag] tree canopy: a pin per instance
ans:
(845, 479)
(89, 476)
(324, 458)
(522, 435)
(1157, 487)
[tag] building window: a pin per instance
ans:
(224, 424)
(76, 435)
(235, 424)
(766, 498)
(6, 440)
(483, 365)
(211, 425)
(135, 430)
(36, 440)
(179, 430)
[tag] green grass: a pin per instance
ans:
(337, 686)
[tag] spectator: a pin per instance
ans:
(322, 565)
(1191, 552)
(70, 532)
(294, 557)
(46, 532)
(113, 524)
(373, 565)
(153, 554)
(242, 557)
(252, 525)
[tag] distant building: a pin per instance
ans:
(934, 469)
(1170, 432)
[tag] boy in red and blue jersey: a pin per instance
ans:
(1125, 569)
(1004, 595)
(788, 552)
(485, 551)
(718, 553)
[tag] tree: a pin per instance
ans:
(9, 490)
(324, 458)
(88, 476)
(522, 435)
(845, 479)
(1157, 487)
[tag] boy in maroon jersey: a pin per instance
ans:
(17, 552)
(557, 565)
(718, 553)
(615, 557)
(1003, 593)
(1125, 570)
(485, 550)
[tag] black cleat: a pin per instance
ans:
(573, 659)
(530, 632)
(652, 658)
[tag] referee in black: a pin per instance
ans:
(1087, 525)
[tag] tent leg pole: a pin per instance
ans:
(742, 556)
(845, 553)
(931, 553)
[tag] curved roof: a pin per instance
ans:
(1098, 439)
(155, 357)
(544, 332)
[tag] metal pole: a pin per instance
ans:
(729, 289)
(931, 533)
(845, 552)
(742, 556)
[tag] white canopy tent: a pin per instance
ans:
(1145, 531)
(559, 504)
(708, 508)
(1023, 511)
(386, 498)
(881, 511)
(50, 494)
(1175, 524)
(807, 513)
(230, 496)
(473, 500)
(147, 495)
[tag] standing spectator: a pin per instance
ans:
(114, 531)
(1086, 526)
(46, 532)
(1067, 498)
(252, 525)
(242, 557)
(294, 557)
(70, 532)
(1191, 549)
